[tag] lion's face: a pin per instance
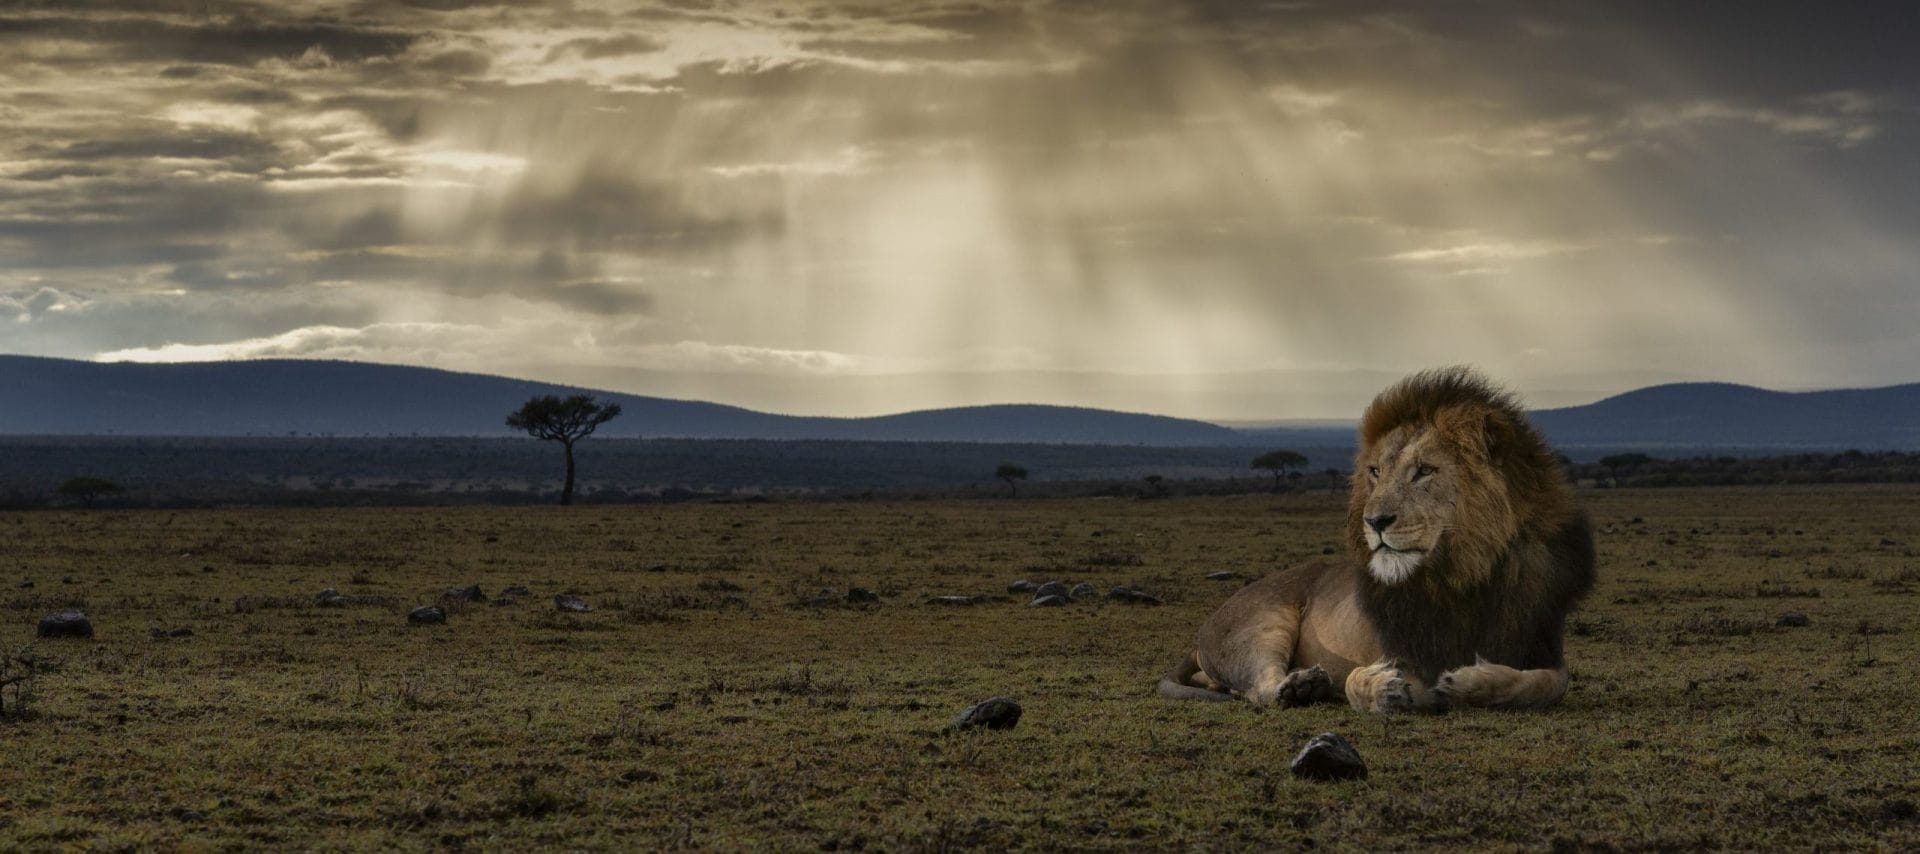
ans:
(1422, 488)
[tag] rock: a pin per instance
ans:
(1051, 588)
(1132, 596)
(163, 634)
(1047, 602)
(861, 596)
(331, 598)
(951, 600)
(468, 594)
(1223, 576)
(1792, 620)
(1080, 591)
(26, 585)
(571, 604)
(426, 615)
(1021, 586)
(504, 600)
(517, 590)
(1328, 757)
(66, 624)
(996, 713)
(68, 579)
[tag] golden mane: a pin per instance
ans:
(1514, 474)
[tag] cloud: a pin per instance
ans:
(1480, 253)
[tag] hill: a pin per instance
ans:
(1724, 416)
(40, 396)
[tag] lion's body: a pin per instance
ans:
(1467, 554)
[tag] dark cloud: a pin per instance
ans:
(600, 48)
(240, 41)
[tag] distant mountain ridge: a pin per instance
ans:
(42, 396)
(280, 397)
(1729, 416)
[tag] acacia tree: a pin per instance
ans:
(1278, 462)
(88, 488)
(564, 420)
(1010, 473)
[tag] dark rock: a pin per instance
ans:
(1223, 576)
(1132, 596)
(1051, 588)
(1792, 620)
(163, 634)
(997, 713)
(1080, 591)
(468, 594)
(861, 596)
(1047, 602)
(571, 604)
(1329, 757)
(517, 590)
(331, 598)
(1326, 550)
(951, 600)
(66, 624)
(426, 615)
(68, 579)
(26, 585)
(1021, 586)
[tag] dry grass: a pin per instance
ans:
(700, 704)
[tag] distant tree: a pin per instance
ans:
(1156, 483)
(1278, 462)
(1618, 463)
(1333, 479)
(88, 489)
(564, 420)
(1010, 473)
(1621, 461)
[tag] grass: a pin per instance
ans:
(701, 704)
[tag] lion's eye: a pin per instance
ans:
(1373, 471)
(1423, 471)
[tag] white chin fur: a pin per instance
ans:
(1390, 567)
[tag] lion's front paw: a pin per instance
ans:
(1304, 687)
(1393, 695)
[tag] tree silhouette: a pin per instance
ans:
(88, 488)
(1278, 462)
(1010, 473)
(564, 420)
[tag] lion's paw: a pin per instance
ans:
(1394, 695)
(1304, 687)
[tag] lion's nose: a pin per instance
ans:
(1380, 523)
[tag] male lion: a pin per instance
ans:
(1466, 555)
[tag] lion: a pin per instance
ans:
(1466, 553)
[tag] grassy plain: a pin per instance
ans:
(701, 705)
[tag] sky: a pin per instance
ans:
(1228, 210)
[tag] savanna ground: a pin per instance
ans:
(702, 705)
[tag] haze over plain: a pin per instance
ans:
(1215, 210)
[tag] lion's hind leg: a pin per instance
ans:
(1497, 686)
